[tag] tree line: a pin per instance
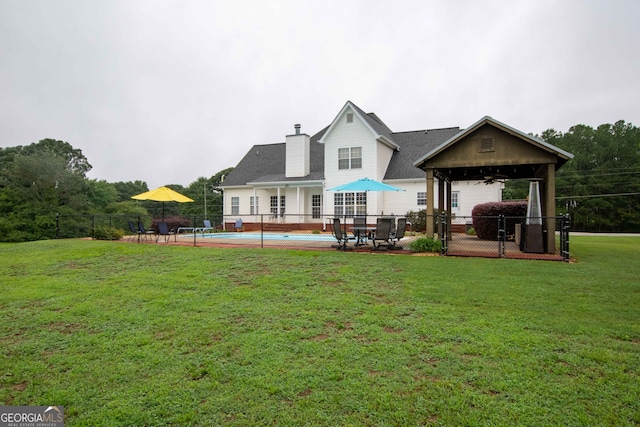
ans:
(46, 178)
(599, 187)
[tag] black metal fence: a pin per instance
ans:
(496, 237)
(74, 226)
(506, 237)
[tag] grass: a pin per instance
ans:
(127, 334)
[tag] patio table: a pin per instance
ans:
(362, 234)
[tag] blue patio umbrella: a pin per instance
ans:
(365, 184)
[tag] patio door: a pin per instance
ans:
(274, 206)
(316, 206)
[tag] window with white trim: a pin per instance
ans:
(349, 204)
(350, 158)
(422, 198)
(455, 199)
(253, 205)
(235, 206)
(361, 204)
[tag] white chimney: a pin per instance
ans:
(298, 156)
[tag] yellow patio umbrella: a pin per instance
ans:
(163, 194)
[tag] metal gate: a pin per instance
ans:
(510, 241)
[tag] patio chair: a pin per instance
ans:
(134, 231)
(144, 232)
(340, 235)
(238, 225)
(207, 226)
(163, 230)
(398, 233)
(383, 233)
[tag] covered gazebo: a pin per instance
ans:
(490, 150)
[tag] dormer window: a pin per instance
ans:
(349, 117)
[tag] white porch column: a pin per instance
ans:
(255, 205)
(278, 204)
(298, 201)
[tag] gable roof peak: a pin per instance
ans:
(377, 127)
(504, 127)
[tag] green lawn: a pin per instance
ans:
(128, 334)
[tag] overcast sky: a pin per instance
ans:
(168, 91)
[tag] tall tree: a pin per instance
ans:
(100, 194)
(600, 186)
(36, 182)
(130, 188)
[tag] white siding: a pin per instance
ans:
(297, 203)
(343, 135)
(473, 193)
(384, 157)
(401, 202)
(470, 193)
(297, 155)
(244, 195)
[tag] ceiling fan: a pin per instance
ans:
(491, 177)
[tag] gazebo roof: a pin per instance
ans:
(490, 149)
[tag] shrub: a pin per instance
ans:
(425, 244)
(418, 220)
(471, 231)
(107, 233)
(485, 217)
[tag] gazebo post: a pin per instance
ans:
(430, 200)
(441, 193)
(448, 208)
(550, 207)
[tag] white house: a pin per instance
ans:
(288, 181)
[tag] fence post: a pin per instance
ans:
(443, 234)
(565, 233)
(57, 225)
(195, 217)
(262, 230)
(502, 234)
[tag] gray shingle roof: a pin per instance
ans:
(377, 124)
(267, 163)
(414, 145)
